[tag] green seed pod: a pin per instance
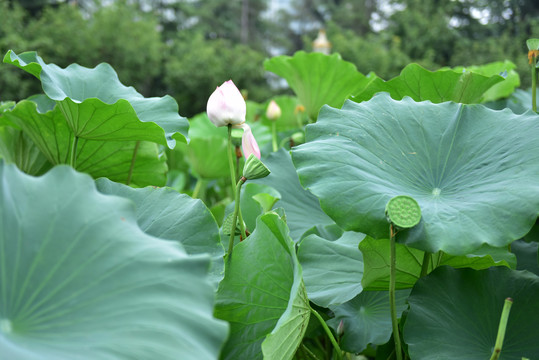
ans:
(254, 168)
(403, 211)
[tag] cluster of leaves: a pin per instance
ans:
(134, 271)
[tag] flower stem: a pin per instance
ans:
(501, 329)
(425, 264)
(392, 301)
(534, 84)
(132, 166)
(235, 217)
(231, 161)
(329, 333)
(274, 136)
(308, 352)
(199, 185)
(73, 161)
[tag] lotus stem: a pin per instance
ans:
(329, 333)
(392, 301)
(235, 217)
(199, 185)
(132, 166)
(74, 144)
(534, 84)
(231, 161)
(501, 329)
(308, 352)
(425, 264)
(274, 136)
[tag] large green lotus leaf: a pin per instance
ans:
(519, 102)
(437, 86)
(6, 105)
(329, 232)
(332, 270)
(96, 105)
(250, 206)
(207, 148)
(409, 262)
(503, 89)
(455, 313)
(81, 280)
(44, 124)
(16, 147)
(471, 169)
(317, 79)
(263, 296)
(367, 319)
(302, 208)
(166, 214)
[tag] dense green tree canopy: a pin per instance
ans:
(186, 48)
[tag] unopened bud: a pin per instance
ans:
(254, 168)
(340, 329)
(273, 112)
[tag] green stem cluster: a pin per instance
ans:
(132, 166)
(501, 329)
(235, 217)
(274, 136)
(233, 180)
(329, 333)
(534, 84)
(392, 299)
(73, 161)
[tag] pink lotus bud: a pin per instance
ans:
(226, 105)
(248, 142)
(340, 329)
(273, 112)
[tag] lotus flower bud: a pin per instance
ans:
(254, 168)
(340, 329)
(273, 112)
(248, 142)
(226, 105)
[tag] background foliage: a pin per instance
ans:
(231, 39)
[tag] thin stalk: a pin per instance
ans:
(534, 84)
(133, 158)
(425, 264)
(238, 157)
(300, 121)
(73, 161)
(235, 217)
(231, 162)
(392, 301)
(242, 225)
(308, 352)
(199, 185)
(274, 136)
(501, 329)
(240, 217)
(329, 333)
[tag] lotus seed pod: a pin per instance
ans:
(403, 211)
(254, 168)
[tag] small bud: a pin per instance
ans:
(299, 109)
(298, 138)
(273, 112)
(340, 329)
(226, 105)
(254, 168)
